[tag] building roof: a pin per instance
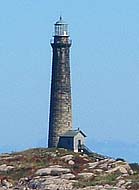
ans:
(60, 21)
(72, 133)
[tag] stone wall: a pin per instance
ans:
(60, 119)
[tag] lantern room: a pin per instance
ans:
(61, 28)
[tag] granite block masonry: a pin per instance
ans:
(60, 118)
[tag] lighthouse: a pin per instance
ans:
(60, 117)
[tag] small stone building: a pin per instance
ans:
(72, 140)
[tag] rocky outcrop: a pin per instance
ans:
(110, 166)
(67, 158)
(86, 175)
(5, 168)
(55, 170)
(45, 170)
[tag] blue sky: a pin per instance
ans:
(105, 72)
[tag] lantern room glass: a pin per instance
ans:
(61, 28)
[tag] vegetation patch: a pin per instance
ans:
(110, 179)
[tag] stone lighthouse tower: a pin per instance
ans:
(60, 118)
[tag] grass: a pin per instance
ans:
(99, 180)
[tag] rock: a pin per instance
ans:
(5, 183)
(119, 169)
(125, 175)
(113, 170)
(123, 170)
(50, 183)
(104, 166)
(128, 183)
(110, 160)
(120, 183)
(66, 158)
(120, 177)
(9, 158)
(103, 161)
(71, 162)
(99, 187)
(55, 166)
(93, 165)
(43, 171)
(54, 171)
(83, 156)
(88, 171)
(68, 176)
(126, 166)
(119, 162)
(59, 171)
(98, 171)
(86, 159)
(5, 168)
(24, 180)
(107, 186)
(86, 175)
(53, 154)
